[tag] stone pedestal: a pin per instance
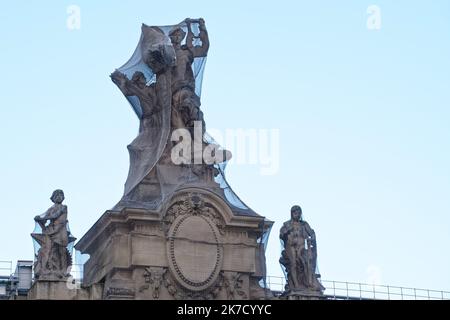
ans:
(63, 290)
(303, 295)
(194, 246)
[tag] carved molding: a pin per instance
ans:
(146, 229)
(114, 292)
(193, 203)
(186, 248)
(194, 229)
(180, 293)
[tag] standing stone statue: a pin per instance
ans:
(299, 257)
(53, 258)
(186, 103)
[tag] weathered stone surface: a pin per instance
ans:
(303, 295)
(192, 248)
(64, 290)
(195, 251)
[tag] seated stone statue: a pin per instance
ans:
(299, 257)
(53, 258)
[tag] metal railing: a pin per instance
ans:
(334, 290)
(340, 290)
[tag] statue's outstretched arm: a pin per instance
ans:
(198, 51)
(42, 219)
(122, 82)
(190, 35)
(205, 39)
(51, 214)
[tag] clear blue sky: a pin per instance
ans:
(363, 118)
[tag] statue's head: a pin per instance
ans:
(57, 196)
(296, 213)
(139, 79)
(157, 50)
(177, 35)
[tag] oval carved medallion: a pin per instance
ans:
(194, 251)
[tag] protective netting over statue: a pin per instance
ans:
(263, 241)
(137, 61)
(220, 179)
(38, 244)
(162, 81)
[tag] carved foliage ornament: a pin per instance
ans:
(193, 204)
(153, 280)
(233, 284)
(181, 293)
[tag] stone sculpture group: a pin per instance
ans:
(179, 231)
